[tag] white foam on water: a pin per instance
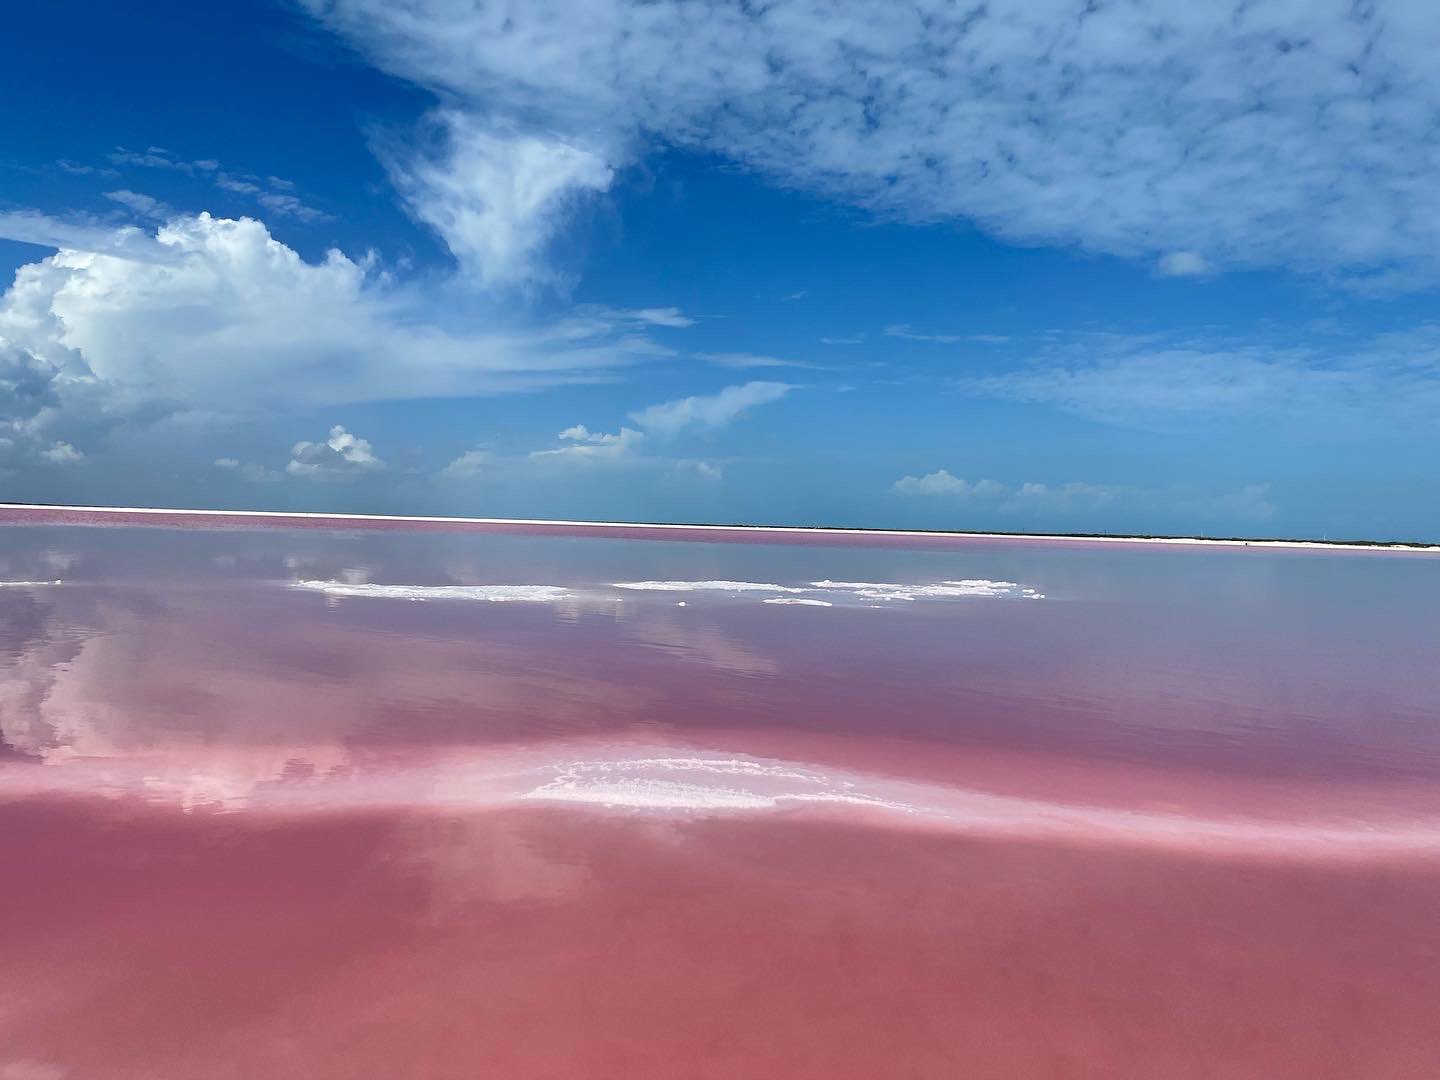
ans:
(495, 594)
(27, 584)
(797, 600)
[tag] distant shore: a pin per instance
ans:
(18, 513)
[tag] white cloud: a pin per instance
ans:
(586, 445)
(62, 453)
(1028, 497)
(942, 483)
(287, 205)
(903, 331)
(711, 411)
(226, 182)
(280, 199)
(157, 157)
(469, 464)
(749, 360)
(911, 334)
(216, 313)
(1267, 133)
(1079, 499)
(496, 198)
(666, 316)
(342, 456)
(30, 392)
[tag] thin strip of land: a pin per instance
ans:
(153, 515)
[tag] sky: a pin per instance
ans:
(1032, 265)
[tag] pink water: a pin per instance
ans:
(327, 803)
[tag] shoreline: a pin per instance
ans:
(62, 514)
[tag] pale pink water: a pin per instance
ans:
(1176, 817)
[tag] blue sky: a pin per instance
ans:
(1049, 266)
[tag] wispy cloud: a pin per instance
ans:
(709, 411)
(1389, 381)
(900, 330)
(583, 445)
(911, 334)
(157, 157)
(751, 360)
(145, 206)
(470, 464)
(663, 316)
(496, 197)
(942, 484)
(249, 471)
(273, 193)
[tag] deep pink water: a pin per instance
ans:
(305, 802)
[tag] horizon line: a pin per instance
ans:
(711, 527)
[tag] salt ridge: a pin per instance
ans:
(495, 594)
(696, 783)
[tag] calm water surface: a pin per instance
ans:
(357, 803)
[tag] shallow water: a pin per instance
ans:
(368, 802)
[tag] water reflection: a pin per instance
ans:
(470, 810)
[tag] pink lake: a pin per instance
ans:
(340, 801)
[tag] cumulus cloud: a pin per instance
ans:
(497, 197)
(30, 388)
(1263, 133)
(216, 313)
(342, 456)
(62, 453)
(708, 411)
